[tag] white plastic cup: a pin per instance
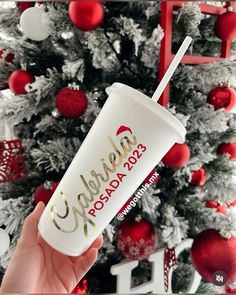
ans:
(130, 136)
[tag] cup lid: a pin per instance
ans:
(147, 102)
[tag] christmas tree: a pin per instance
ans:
(53, 80)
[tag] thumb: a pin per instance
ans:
(29, 232)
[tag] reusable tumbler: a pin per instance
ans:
(130, 136)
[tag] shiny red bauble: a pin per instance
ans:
(225, 26)
(136, 238)
(211, 253)
(227, 148)
(81, 288)
(177, 156)
(86, 15)
(71, 103)
(222, 97)
(18, 80)
(44, 192)
(198, 177)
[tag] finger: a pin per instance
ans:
(97, 243)
(29, 232)
(84, 263)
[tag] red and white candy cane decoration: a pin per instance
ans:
(12, 165)
(169, 262)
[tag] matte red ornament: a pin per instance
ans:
(44, 193)
(136, 238)
(18, 80)
(71, 103)
(82, 287)
(222, 97)
(227, 148)
(177, 156)
(211, 253)
(24, 5)
(86, 15)
(12, 165)
(225, 26)
(8, 58)
(198, 177)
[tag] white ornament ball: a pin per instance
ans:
(4, 241)
(35, 23)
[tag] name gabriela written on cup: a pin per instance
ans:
(125, 153)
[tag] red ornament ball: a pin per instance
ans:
(225, 26)
(177, 156)
(198, 177)
(82, 287)
(18, 80)
(8, 58)
(86, 15)
(24, 5)
(222, 97)
(136, 238)
(44, 192)
(71, 103)
(227, 148)
(211, 253)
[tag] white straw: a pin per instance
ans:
(176, 60)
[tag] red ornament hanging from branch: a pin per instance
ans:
(136, 238)
(212, 253)
(71, 102)
(225, 25)
(222, 96)
(86, 15)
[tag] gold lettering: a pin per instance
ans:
(116, 149)
(128, 148)
(112, 159)
(54, 214)
(93, 186)
(97, 176)
(89, 189)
